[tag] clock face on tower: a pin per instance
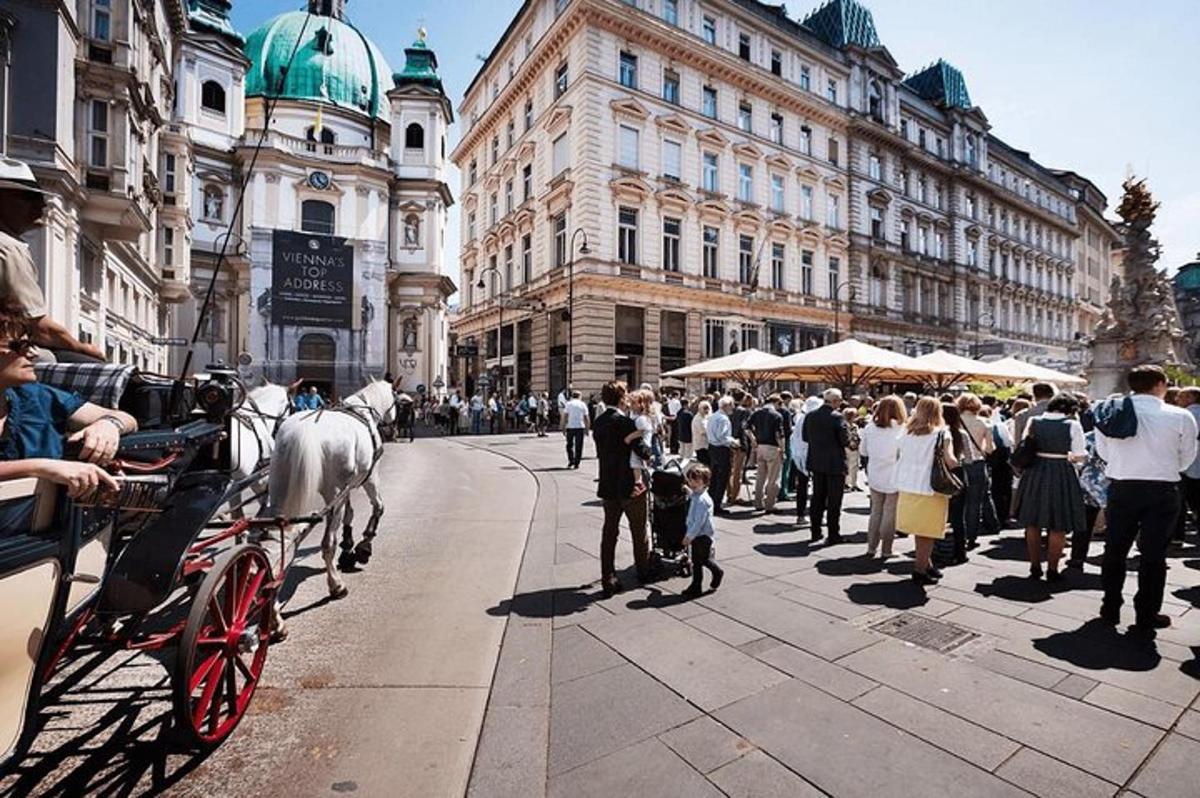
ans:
(318, 180)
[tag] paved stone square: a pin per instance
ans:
(781, 684)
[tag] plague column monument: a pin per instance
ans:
(1141, 323)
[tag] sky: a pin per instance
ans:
(1099, 87)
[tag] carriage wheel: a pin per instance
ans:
(224, 646)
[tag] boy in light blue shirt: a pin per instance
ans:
(700, 531)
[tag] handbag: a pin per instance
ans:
(941, 478)
(1025, 453)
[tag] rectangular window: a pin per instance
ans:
(560, 6)
(709, 106)
(745, 117)
(877, 224)
(101, 20)
(746, 259)
(973, 253)
(98, 135)
(939, 241)
(495, 206)
(712, 243)
(511, 132)
(776, 63)
(711, 173)
(744, 46)
(526, 182)
(806, 139)
(508, 197)
(670, 11)
(560, 157)
(833, 215)
(670, 244)
(833, 151)
(710, 30)
(923, 240)
(835, 277)
(472, 172)
(526, 258)
(168, 173)
(777, 263)
(471, 226)
(628, 155)
(528, 114)
(495, 149)
(777, 193)
(627, 220)
(672, 159)
(508, 266)
(670, 91)
(559, 227)
(777, 128)
(806, 203)
(561, 80)
(805, 78)
(831, 91)
(806, 272)
(628, 70)
(168, 246)
(904, 129)
(875, 167)
(745, 182)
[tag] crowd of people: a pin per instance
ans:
(943, 470)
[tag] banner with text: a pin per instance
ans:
(312, 280)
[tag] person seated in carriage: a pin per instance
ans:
(35, 421)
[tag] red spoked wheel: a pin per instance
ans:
(224, 646)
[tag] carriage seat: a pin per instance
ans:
(154, 400)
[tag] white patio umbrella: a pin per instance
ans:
(852, 362)
(1032, 373)
(963, 369)
(747, 366)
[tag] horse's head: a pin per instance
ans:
(271, 399)
(379, 397)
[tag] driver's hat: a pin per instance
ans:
(17, 176)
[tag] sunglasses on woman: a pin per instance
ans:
(21, 346)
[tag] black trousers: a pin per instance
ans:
(703, 557)
(827, 493)
(1144, 511)
(978, 510)
(1002, 484)
(1189, 491)
(702, 456)
(800, 480)
(719, 462)
(1081, 539)
(575, 446)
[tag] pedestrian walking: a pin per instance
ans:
(800, 458)
(476, 411)
(787, 409)
(701, 534)
(1043, 392)
(1094, 483)
(766, 427)
(542, 403)
(1000, 472)
(737, 463)
(954, 550)
(1049, 496)
(615, 488)
(682, 426)
(827, 436)
(920, 510)
(852, 455)
(576, 423)
(721, 445)
(1143, 498)
(700, 430)
(881, 451)
(1189, 480)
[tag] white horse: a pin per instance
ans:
(252, 433)
(320, 457)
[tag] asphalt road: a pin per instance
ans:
(380, 693)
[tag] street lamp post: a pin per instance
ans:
(985, 320)
(499, 322)
(837, 306)
(583, 250)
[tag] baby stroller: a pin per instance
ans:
(668, 516)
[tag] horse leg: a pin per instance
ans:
(363, 551)
(346, 560)
(328, 548)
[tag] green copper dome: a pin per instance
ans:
(334, 63)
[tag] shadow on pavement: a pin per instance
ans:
(1189, 594)
(1036, 591)
(774, 529)
(799, 548)
(1005, 548)
(903, 595)
(550, 603)
(656, 599)
(1098, 646)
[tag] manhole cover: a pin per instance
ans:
(925, 632)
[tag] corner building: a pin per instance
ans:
(743, 179)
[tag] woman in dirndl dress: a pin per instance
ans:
(1049, 496)
(920, 510)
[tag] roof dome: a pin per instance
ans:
(334, 63)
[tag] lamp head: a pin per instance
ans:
(584, 250)
(480, 284)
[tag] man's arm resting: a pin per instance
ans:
(49, 333)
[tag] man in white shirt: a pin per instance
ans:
(1189, 400)
(720, 442)
(1143, 497)
(575, 426)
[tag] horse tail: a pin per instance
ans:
(296, 470)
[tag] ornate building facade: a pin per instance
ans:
(331, 267)
(743, 179)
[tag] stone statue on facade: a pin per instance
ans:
(1141, 322)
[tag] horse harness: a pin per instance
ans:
(372, 424)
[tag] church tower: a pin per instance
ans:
(418, 289)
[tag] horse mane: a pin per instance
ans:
(377, 394)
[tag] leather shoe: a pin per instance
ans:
(816, 535)
(610, 586)
(1154, 622)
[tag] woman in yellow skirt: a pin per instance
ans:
(921, 511)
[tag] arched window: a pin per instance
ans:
(412, 231)
(414, 137)
(316, 217)
(214, 203)
(327, 135)
(875, 101)
(212, 96)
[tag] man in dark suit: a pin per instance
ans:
(827, 437)
(616, 487)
